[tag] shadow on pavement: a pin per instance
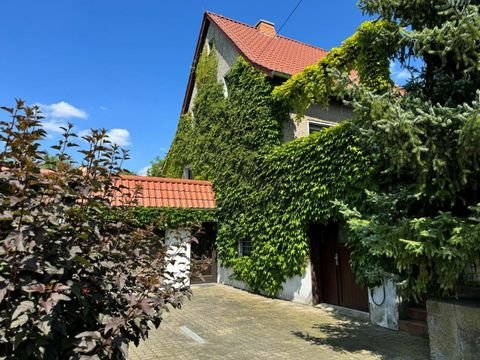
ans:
(359, 337)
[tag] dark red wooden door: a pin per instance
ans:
(329, 277)
(351, 294)
(333, 279)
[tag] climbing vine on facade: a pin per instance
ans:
(266, 192)
(416, 217)
(364, 56)
(420, 221)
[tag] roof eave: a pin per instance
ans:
(280, 74)
(198, 51)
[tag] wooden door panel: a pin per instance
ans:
(333, 281)
(351, 294)
(315, 261)
(328, 267)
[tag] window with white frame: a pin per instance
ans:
(245, 247)
(316, 126)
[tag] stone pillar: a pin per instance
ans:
(454, 329)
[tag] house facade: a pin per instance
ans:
(327, 277)
(279, 57)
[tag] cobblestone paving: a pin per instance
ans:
(238, 325)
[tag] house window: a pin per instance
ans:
(245, 247)
(316, 126)
(187, 173)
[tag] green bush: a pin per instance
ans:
(79, 278)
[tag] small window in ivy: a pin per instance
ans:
(316, 126)
(187, 173)
(245, 247)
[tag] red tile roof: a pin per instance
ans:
(167, 192)
(270, 53)
(275, 53)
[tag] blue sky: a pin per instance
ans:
(124, 65)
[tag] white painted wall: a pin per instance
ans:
(179, 251)
(297, 289)
(224, 276)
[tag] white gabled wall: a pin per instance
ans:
(226, 52)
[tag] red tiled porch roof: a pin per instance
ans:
(168, 192)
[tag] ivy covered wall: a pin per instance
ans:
(267, 192)
(404, 172)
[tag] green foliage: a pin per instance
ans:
(50, 162)
(223, 134)
(367, 52)
(177, 156)
(206, 71)
(266, 192)
(428, 253)
(156, 167)
(293, 185)
(417, 154)
(421, 221)
(418, 224)
(420, 218)
(445, 35)
(79, 278)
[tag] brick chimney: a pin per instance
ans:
(266, 27)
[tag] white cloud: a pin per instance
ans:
(398, 73)
(62, 110)
(57, 115)
(120, 137)
(53, 125)
(143, 171)
(84, 132)
(104, 108)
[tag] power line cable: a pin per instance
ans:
(289, 16)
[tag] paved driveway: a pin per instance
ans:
(221, 322)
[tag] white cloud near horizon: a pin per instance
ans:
(399, 74)
(120, 137)
(143, 171)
